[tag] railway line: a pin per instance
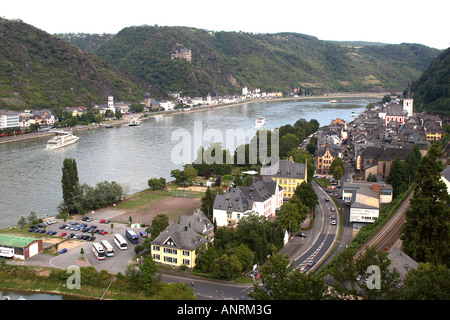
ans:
(385, 237)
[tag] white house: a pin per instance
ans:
(263, 198)
(167, 105)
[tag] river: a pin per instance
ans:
(30, 177)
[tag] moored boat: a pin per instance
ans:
(134, 122)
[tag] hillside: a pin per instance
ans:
(432, 89)
(223, 62)
(40, 70)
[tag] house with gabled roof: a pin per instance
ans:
(289, 175)
(264, 197)
(177, 246)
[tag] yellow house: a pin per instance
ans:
(177, 246)
(289, 175)
(434, 133)
(325, 158)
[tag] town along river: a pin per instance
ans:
(30, 177)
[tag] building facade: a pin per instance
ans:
(9, 119)
(177, 246)
(288, 174)
(19, 247)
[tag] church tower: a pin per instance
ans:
(110, 102)
(408, 102)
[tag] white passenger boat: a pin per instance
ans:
(134, 122)
(61, 139)
(260, 122)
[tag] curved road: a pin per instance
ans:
(324, 236)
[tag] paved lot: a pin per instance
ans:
(115, 264)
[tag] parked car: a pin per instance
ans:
(333, 222)
(301, 235)
(63, 234)
(63, 250)
(143, 234)
(62, 226)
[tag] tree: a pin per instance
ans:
(352, 277)
(280, 282)
(337, 163)
(398, 177)
(190, 173)
(208, 203)
(305, 192)
(147, 271)
(427, 228)
(412, 161)
(22, 221)
(427, 282)
(227, 266)
(154, 184)
(32, 218)
(289, 217)
(287, 143)
(69, 181)
(136, 108)
(159, 223)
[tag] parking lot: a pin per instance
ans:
(81, 234)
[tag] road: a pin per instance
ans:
(324, 235)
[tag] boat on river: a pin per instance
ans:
(260, 122)
(134, 122)
(61, 139)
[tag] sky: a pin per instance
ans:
(387, 21)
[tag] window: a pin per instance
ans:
(186, 262)
(186, 253)
(170, 259)
(156, 257)
(156, 248)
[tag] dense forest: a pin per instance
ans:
(223, 62)
(432, 89)
(39, 70)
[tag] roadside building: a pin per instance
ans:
(176, 246)
(289, 175)
(365, 199)
(19, 247)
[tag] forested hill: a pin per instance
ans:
(40, 70)
(223, 62)
(432, 89)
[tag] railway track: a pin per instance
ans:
(390, 231)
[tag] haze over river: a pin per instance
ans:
(30, 177)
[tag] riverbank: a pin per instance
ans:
(331, 96)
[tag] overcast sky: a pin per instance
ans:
(388, 21)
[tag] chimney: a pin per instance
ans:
(376, 187)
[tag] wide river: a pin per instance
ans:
(30, 177)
